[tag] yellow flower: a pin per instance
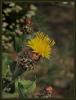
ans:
(41, 44)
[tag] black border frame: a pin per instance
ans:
(33, 1)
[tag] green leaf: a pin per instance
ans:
(27, 86)
(21, 91)
(32, 87)
(5, 64)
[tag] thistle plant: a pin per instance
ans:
(35, 48)
(33, 66)
(38, 47)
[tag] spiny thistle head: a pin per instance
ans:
(41, 44)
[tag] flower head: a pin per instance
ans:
(41, 44)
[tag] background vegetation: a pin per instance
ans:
(55, 19)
